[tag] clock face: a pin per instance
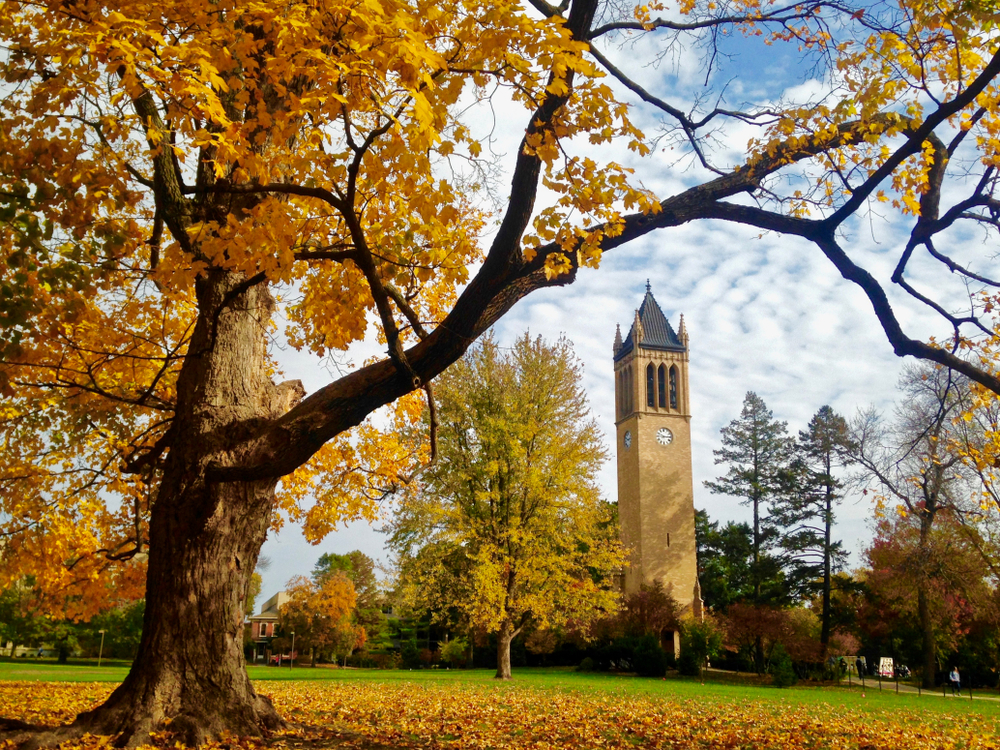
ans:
(627, 439)
(664, 436)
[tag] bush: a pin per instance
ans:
(409, 651)
(649, 660)
(455, 652)
(688, 663)
(701, 639)
(782, 672)
(641, 655)
(587, 665)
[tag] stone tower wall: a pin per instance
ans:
(655, 482)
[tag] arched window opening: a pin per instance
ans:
(650, 385)
(628, 389)
(673, 387)
(661, 383)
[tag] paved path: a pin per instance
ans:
(871, 685)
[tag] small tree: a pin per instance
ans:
(455, 652)
(649, 611)
(360, 569)
(701, 639)
(782, 669)
(508, 527)
(320, 615)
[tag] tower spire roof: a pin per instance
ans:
(650, 329)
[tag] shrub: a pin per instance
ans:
(455, 652)
(782, 672)
(641, 655)
(587, 665)
(410, 653)
(688, 663)
(701, 639)
(649, 659)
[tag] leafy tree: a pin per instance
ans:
(19, 622)
(360, 569)
(726, 565)
(757, 450)
(806, 510)
(122, 626)
(782, 670)
(649, 611)
(64, 636)
(455, 652)
(320, 616)
(959, 594)
(702, 639)
(912, 468)
(508, 527)
(168, 169)
(754, 630)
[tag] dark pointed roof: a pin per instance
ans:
(656, 330)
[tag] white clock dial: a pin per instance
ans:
(627, 439)
(664, 436)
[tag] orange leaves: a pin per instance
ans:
(352, 474)
(320, 614)
(390, 712)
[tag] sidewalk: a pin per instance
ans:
(888, 686)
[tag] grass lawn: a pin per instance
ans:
(717, 688)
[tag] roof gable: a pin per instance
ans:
(656, 330)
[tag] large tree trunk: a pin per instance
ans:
(204, 538)
(504, 638)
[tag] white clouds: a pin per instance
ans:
(767, 314)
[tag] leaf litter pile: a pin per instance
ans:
(369, 715)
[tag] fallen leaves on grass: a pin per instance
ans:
(502, 717)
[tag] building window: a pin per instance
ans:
(650, 385)
(673, 387)
(661, 382)
(628, 389)
(621, 393)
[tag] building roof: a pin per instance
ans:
(656, 330)
(273, 604)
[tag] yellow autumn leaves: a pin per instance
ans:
(398, 714)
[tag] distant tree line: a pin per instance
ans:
(926, 593)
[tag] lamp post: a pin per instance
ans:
(100, 653)
(291, 656)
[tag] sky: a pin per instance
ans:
(767, 314)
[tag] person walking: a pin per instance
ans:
(956, 681)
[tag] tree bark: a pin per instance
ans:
(189, 675)
(506, 634)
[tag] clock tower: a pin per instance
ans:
(653, 427)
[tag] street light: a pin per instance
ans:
(101, 652)
(291, 656)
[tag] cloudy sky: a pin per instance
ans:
(766, 314)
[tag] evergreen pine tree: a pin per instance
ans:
(806, 511)
(757, 449)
